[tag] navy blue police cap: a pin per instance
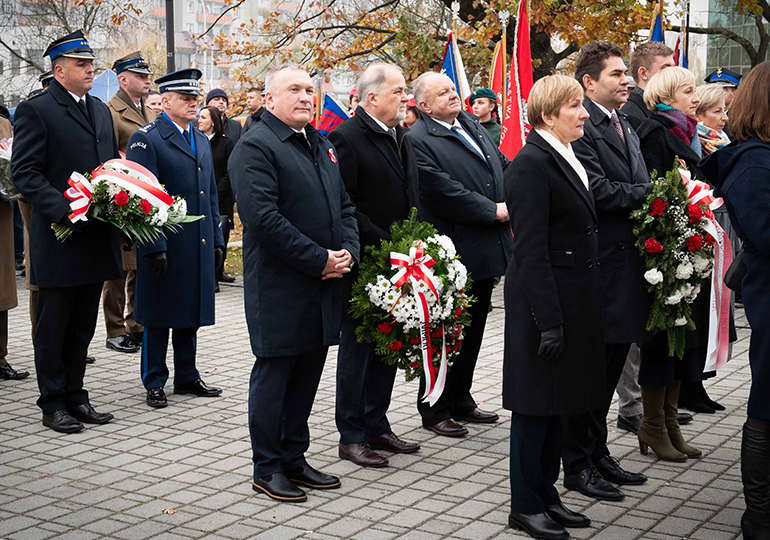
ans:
(184, 81)
(725, 77)
(74, 45)
(132, 62)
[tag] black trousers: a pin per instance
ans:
(585, 435)
(364, 387)
(66, 320)
(535, 452)
(457, 399)
(281, 394)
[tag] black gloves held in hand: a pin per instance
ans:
(159, 263)
(219, 256)
(551, 342)
(76, 226)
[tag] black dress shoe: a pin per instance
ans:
(198, 388)
(591, 484)
(20, 266)
(537, 526)
(312, 478)
(85, 413)
(566, 517)
(122, 344)
(478, 416)
(683, 418)
(224, 278)
(90, 360)
(391, 443)
(610, 469)
(137, 338)
(448, 428)
(278, 486)
(62, 421)
(156, 397)
(630, 423)
(10, 374)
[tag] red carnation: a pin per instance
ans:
(121, 198)
(709, 240)
(695, 212)
(415, 340)
(385, 328)
(458, 312)
(653, 246)
(396, 346)
(438, 333)
(146, 206)
(695, 242)
(658, 207)
(414, 365)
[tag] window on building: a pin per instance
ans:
(1, 67)
(190, 7)
(36, 56)
(15, 64)
(191, 27)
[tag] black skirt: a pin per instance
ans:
(659, 369)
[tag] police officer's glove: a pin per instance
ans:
(551, 342)
(159, 263)
(219, 257)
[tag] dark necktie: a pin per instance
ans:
(83, 108)
(392, 133)
(186, 134)
(456, 131)
(616, 124)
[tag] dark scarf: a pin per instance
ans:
(685, 126)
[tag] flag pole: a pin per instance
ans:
(455, 17)
(504, 16)
(318, 102)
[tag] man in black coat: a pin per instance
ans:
(379, 168)
(254, 103)
(58, 132)
(646, 60)
(300, 237)
(609, 152)
(462, 194)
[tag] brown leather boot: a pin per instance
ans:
(652, 433)
(670, 408)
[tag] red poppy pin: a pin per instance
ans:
(332, 156)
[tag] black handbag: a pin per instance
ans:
(737, 271)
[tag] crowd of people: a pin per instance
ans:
(554, 220)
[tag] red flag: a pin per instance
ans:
(514, 130)
(497, 75)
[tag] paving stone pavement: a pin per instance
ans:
(184, 472)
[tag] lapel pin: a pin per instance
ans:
(332, 156)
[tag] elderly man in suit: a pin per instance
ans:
(609, 152)
(175, 274)
(379, 168)
(300, 236)
(462, 194)
(129, 113)
(61, 131)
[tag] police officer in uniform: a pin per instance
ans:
(58, 132)
(175, 275)
(727, 78)
(129, 113)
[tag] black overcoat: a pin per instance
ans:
(53, 139)
(221, 148)
(635, 110)
(459, 192)
(620, 184)
(553, 278)
(184, 297)
(294, 207)
(380, 175)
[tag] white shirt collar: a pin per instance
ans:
(210, 136)
(76, 97)
(385, 128)
(602, 108)
(449, 126)
(180, 128)
(567, 153)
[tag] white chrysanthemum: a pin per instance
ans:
(653, 276)
(684, 270)
(160, 217)
(693, 294)
(674, 299)
(681, 321)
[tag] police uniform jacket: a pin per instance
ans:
(293, 205)
(620, 184)
(52, 140)
(459, 192)
(127, 118)
(553, 279)
(184, 297)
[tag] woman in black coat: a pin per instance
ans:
(210, 123)
(554, 344)
(670, 132)
(741, 173)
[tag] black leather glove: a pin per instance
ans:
(551, 342)
(159, 263)
(77, 226)
(219, 257)
(129, 245)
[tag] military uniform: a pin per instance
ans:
(118, 294)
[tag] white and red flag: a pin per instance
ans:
(515, 128)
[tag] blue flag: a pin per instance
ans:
(332, 115)
(657, 30)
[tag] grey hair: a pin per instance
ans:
(273, 74)
(419, 85)
(373, 78)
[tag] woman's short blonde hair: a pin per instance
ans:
(709, 95)
(663, 85)
(548, 95)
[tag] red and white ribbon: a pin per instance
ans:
(128, 175)
(719, 311)
(416, 268)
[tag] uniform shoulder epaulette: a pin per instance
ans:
(147, 127)
(44, 92)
